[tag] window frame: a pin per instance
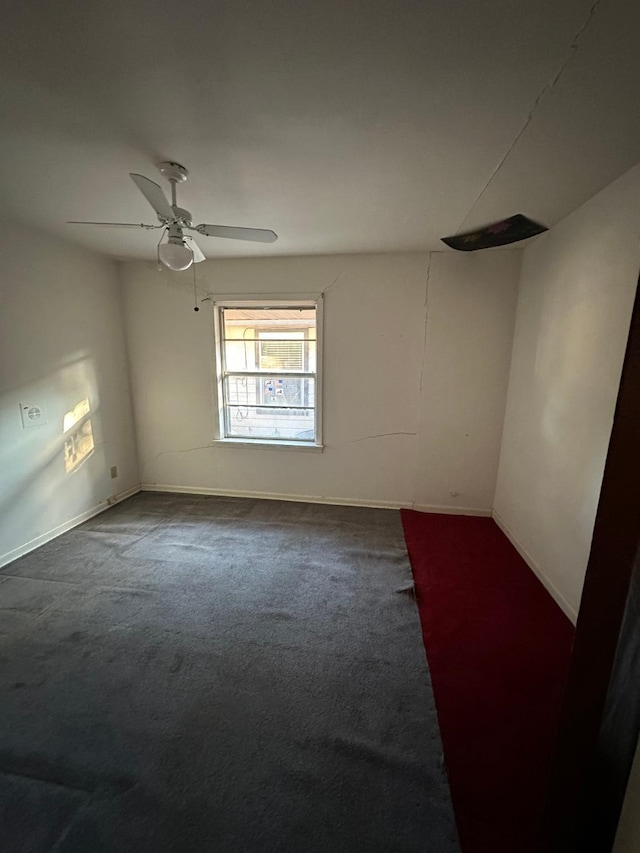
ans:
(280, 302)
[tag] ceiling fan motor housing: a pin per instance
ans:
(182, 216)
(175, 234)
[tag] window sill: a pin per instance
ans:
(265, 444)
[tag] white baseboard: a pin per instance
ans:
(445, 509)
(268, 496)
(313, 499)
(10, 556)
(568, 609)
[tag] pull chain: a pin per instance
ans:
(158, 249)
(195, 294)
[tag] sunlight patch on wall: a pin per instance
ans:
(78, 445)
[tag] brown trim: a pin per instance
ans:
(613, 550)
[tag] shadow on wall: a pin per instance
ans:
(51, 451)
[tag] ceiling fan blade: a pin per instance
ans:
(118, 224)
(258, 235)
(198, 254)
(154, 195)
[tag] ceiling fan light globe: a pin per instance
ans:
(175, 256)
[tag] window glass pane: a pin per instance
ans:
(311, 356)
(283, 391)
(240, 355)
(249, 323)
(263, 314)
(285, 354)
(281, 354)
(266, 422)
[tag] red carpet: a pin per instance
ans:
(498, 649)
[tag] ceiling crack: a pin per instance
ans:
(573, 47)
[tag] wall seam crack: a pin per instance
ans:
(378, 435)
(422, 367)
(167, 453)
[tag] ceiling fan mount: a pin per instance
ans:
(176, 174)
(173, 171)
(180, 250)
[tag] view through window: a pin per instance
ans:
(268, 373)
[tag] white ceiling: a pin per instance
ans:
(343, 125)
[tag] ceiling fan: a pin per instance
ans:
(178, 254)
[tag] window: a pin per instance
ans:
(268, 376)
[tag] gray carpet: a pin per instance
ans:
(211, 674)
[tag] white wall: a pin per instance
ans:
(61, 340)
(576, 294)
(399, 428)
(471, 314)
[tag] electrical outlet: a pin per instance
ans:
(114, 472)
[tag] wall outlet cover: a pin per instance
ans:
(32, 414)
